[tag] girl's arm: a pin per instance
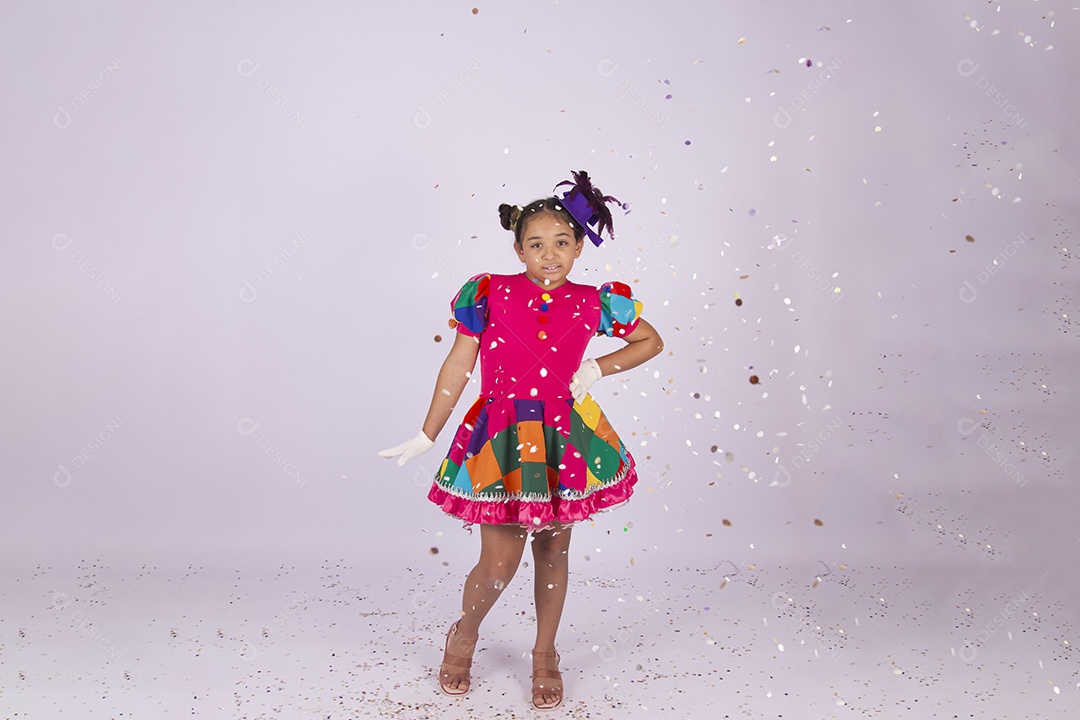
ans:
(641, 346)
(453, 377)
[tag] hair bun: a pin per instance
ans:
(509, 216)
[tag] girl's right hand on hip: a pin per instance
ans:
(409, 449)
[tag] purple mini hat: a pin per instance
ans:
(587, 205)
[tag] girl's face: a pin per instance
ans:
(548, 249)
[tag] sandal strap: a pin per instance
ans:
(456, 660)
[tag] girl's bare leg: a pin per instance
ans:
(501, 547)
(550, 553)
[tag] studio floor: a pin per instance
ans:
(334, 639)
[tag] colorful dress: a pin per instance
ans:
(526, 454)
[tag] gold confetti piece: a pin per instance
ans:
(742, 41)
(969, 238)
(818, 522)
(438, 338)
(727, 523)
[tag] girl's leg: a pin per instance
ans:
(550, 548)
(550, 553)
(501, 547)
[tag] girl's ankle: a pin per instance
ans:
(456, 633)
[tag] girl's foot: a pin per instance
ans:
(454, 672)
(547, 680)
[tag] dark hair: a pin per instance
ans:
(515, 218)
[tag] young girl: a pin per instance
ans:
(534, 454)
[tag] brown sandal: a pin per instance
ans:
(542, 688)
(454, 662)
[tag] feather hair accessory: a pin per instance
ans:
(587, 204)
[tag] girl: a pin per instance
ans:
(534, 454)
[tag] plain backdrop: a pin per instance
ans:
(231, 235)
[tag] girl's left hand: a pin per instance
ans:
(586, 375)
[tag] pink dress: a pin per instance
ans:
(526, 454)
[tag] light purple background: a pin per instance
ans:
(234, 226)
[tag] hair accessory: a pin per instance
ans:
(586, 203)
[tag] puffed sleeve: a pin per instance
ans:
(470, 306)
(619, 310)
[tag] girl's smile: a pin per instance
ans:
(548, 250)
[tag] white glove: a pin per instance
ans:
(586, 375)
(409, 449)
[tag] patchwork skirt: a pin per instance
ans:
(533, 463)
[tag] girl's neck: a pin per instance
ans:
(540, 283)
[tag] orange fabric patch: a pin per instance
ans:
(605, 432)
(512, 481)
(530, 434)
(483, 467)
(552, 478)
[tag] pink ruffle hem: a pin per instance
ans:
(535, 514)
